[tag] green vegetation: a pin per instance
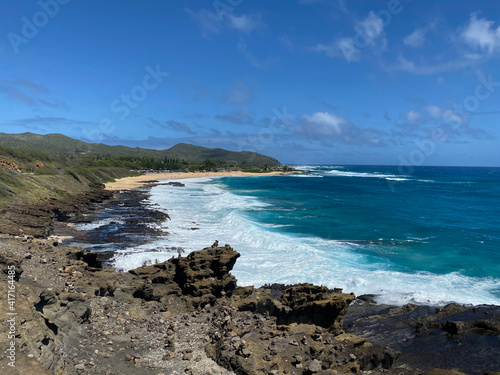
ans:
(50, 175)
(54, 165)
(58, 144)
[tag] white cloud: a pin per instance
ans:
(410, 67)
(211, 22)
(328, 127)
(448, 115)
(480, 33)
(416, 39)
(434, 111)
(244, 23)
(324, 123)
(413, 116)
(340, 47)
(368, 33)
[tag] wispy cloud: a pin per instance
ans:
(429, 69)
(481, 33)
(208, 21)
(212, 22)
(173, 125)
(446, 115)
(416, 39)
(241, 94)
(240, 117)
(243, 48)
(29, 93)
(48, 121)
(455, 127)
(251, 58)
(470, 45)
(368, 35)
(330, 128)
(245, 23)
(413, 116)
(199, 92)
(325, 103)
(31, 85)
(341, 47)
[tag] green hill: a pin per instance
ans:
(58, 144)
(34, 167)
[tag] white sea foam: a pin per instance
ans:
(97, 224)
(317, 167)
(313, 175)
(397, 179)
(270, 256)
(361, 174)
(305, 167)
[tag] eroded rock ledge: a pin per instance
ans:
(188, 316)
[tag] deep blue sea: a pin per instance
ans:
(427, 235)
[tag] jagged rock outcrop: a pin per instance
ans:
(300, 304)
(202, 275)
(76, 317)
(312, 304)
(291, 329)
(188, 315)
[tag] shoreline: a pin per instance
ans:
(128, 183)
(389, 295)
(193, 331)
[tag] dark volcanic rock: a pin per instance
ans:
(301, 304)
(207, 272)
(76, 317)
(203, 275)
(453, 336)
(311, 304)
(123, 221)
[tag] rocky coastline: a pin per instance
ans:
(188, 315)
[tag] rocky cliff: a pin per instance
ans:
(188, 315)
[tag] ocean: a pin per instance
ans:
(426, 235)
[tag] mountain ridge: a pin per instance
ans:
(56, 143)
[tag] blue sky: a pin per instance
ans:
(306, 81)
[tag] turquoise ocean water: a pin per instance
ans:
(426, 235)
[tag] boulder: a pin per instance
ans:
(203, 276)
(312, 304)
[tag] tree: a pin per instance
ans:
(209, 164)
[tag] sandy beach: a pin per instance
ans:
(128, 183)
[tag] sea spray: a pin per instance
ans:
(285, 231)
